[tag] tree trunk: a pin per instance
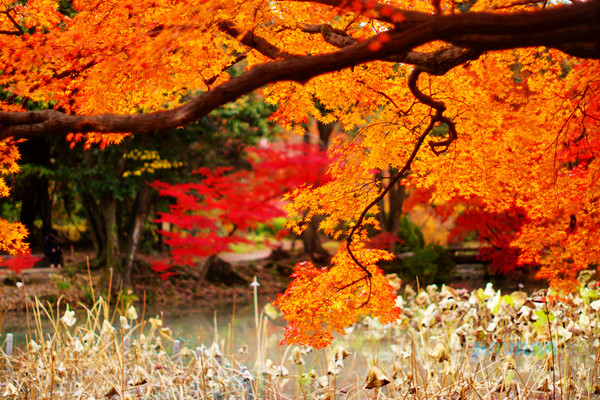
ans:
(390, 209)
(325, 131)
(140, 209)
(111, 251)
(33, 189)
(311, 238)
(96, 223)
(35, 201)
(203, 270)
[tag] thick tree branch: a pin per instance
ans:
(435, 63)
(253, 41)
(486, 33)
(574, 28)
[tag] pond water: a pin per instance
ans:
(193, 326)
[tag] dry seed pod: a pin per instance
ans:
(323, 381)
(582, 372)
(432, 290)
(423, 299)
(210, 373)
(447, 368)
(448, 291)
(440, 353)
(112, 394)
(281, 371)
(296, 356)
(549, 363)
(376, 378)
(585, 276)
(394, 281)
(166, 333)
(544, 386)
(11, 390)
(456, 343)
(409, 292)
(513, 388)
(396, 370)
(214, 351)
(509, 363)
(340, 354)
(332, 368)
(567, 384)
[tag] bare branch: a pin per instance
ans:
(517, 3)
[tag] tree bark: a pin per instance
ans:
(35, 201)
(142, 200)
(390, 210)
(96, 223)
(112, 252)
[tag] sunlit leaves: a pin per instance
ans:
(320, 301)
(150, 162)
(12, 235)
(527, 119)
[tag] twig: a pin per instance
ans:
(438, 117)
(14, 22)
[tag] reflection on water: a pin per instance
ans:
(234, 327)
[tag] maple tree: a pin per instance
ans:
(495, 232)
(490, 98)
(18, 263)
(209, 216)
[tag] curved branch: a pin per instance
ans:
(435, 63)
(484, 32)
(256, 42)
(379, 11)
(439, 108)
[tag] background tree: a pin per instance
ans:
(108, 188)
(221, 208)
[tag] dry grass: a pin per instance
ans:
(447, 345)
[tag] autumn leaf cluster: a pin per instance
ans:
(323, 300)
(222, 206)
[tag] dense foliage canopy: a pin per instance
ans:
(493, 98)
